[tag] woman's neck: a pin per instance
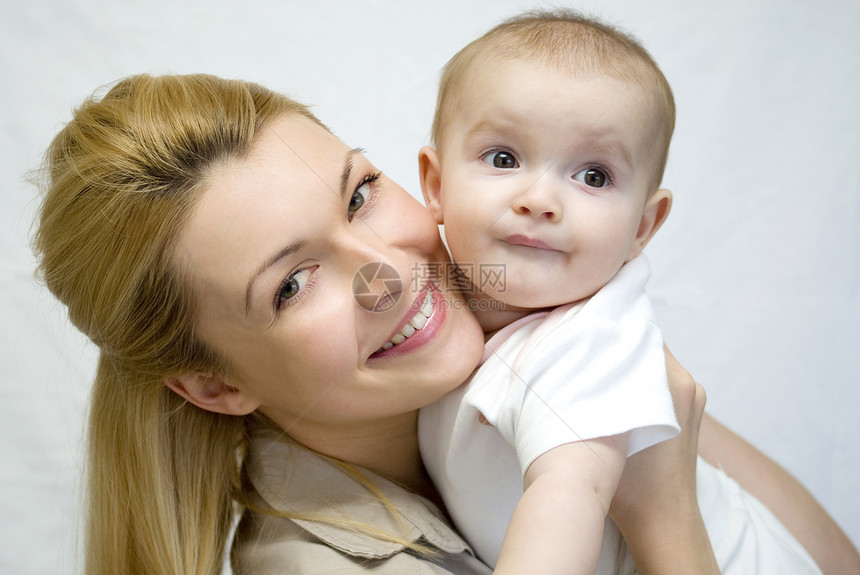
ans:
(388, 448)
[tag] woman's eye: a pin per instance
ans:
(361, 195)
(293, 285)
(358, 198)
(592, 177)
(501, 159)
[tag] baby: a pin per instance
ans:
(552, 133)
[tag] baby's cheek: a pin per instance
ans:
(457, 243)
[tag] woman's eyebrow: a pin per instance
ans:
(347, 169)
(288, 250)
(295, 246)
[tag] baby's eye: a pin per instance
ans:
(592, 177)
(292, 285)
(501, 159)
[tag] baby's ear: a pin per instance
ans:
(656, 211)
(430, 176)
(212, 393)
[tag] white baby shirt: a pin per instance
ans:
(579, 372)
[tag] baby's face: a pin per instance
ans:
(546, 176)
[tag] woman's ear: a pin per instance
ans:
(212, 393)
(656, 211)
(430, 177)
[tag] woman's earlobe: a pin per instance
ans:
(212, 393)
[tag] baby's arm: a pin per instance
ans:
(557, 526)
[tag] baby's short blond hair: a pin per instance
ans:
(572, 43)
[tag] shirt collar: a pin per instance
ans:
(296, 481)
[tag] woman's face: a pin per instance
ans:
(274, 247)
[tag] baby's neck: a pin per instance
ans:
(494, 314)
(492, 320)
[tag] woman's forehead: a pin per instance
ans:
(293, 141)
(286, 190)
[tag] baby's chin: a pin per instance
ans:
(535, 297)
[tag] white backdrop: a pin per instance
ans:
(756, 275)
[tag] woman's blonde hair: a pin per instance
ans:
(121, 178)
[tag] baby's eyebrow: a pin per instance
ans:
(600, 142)
(486, 126)
(613, 147)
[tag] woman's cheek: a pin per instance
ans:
(413, 224)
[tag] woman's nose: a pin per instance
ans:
(377, 286)
(378, 272)
(539, 200)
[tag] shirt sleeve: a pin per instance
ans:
(588, 371)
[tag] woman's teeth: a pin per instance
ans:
(413, 325)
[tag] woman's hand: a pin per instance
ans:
(655, 506)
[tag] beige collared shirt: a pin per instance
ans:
(292, 480)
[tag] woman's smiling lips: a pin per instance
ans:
(422, 320)
(521, 240)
